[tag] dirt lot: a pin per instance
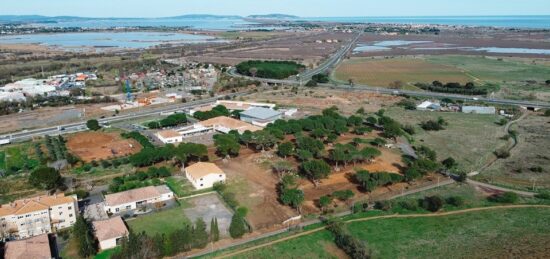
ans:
(315, 101)
(90, 146)
(521, 169)
(255, 187)
(382, 72)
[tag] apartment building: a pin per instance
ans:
(38, 215)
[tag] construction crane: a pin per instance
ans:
(128, 91)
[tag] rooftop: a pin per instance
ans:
(37, 247)
(135, 195)
(230, 123)
(169, 134)
(201, 169)
(260, 113)
(109, 229)
(38, 203)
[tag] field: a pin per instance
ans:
(469, 138)
(90, 146)
(508, 233)
(269, 69)
(17, 157)
(529, 161)
(382, 72)
(165, 221)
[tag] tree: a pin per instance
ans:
(263, 139)
(433, 203)
(283, 167)
(237, 227)
(449, 163)
(340, 153)
(311, 83)
(392, 130)
(303, 155)
(363, 177)
(227, 145)
(45, 178)
(292, 197)
(82, 232)
(380, 142)
(324, 202)
(507, 197)
(93, 125)
(253, 71)
(200, 236)
(316, 170)
(285, 149)
(343, 195)
(312, 145)
(214, 230)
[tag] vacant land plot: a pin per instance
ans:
(529, 162)
(488, 234)
(382, 72)
(14, 158)
(469, 138)
(162, 222)
(90, 146)
(208, 207)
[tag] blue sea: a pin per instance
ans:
(535, 22)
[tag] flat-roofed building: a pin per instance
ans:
(109, 232)
(479, 109)
(128, 201)
(37, 247)
(260, 116)
(204, 175)
(169, 136)
(38, 215)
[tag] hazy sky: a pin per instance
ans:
(163, 8)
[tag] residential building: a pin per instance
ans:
(169, 136)
(141, 198)
(479, 109)
(260, 116)
(37, 215)
(110, 232)
(204, 175)
(37, 247)
(428, 106)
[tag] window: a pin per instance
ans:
(19, 217)
(70, 208)
(220, 175)
(28, 215)
(60, 213)
(128, 207)
(202, 184)
(201, 179)
(70, 215)
(117, 210)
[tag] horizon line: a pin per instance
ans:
(245, 16)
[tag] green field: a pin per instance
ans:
(469, 138)
(106, 254)
(270, 69)
(18, 157)
(488, 234)
(161, 222)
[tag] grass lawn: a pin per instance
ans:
(2, 160)
(181, 187)
(106, 254)
(165, 221)
(488, 234)
(469, 138)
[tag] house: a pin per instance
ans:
(38, 215)
(37, 247)
(428, 106)
(479, 109)
(110, 232)
(142, 198)
(204, 175)
(169, 136)
(260, 116)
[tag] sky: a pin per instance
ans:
(304, 8)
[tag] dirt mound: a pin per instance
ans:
(90, 146)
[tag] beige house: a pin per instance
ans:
(37, 215)
(130, 200)
(110, 232)
(37, 247)
(204, 175)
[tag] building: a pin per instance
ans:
(30, 87)
(428, 106)
(233, 106)
(260, 116)
(169, 136)
(37, 247)
(479, 109)
(141, 198)
(204, 175)
(12, 97)
(38, 215)
(110, 232)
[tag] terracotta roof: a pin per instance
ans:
(37, 247)
(109, 229)
(230, 123)
(38, 203)
(202, 169)
(169, 134)
(136, 195)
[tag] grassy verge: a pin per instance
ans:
(106, 254)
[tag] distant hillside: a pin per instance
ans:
(206, 16)
(273, 16)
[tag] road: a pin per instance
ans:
(81, 126)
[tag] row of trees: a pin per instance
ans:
(269, 69)
(352, 246)
(455, 88)
(170, 121)
(217, 111)
(182, 153)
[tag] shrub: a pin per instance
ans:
(507, 197)
(411, 205)
(383, 205)
(543, 195)
(456, 201)
(343, 195)
(502, 153)
(237, 227)
(432, 203)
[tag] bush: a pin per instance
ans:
(343, 195)
(507, 197)
(432, 203)
(456, 201)
(502, 153)
(543, 195)
(237, 227)
(383, 205)
(411, 205)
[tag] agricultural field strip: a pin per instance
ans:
(442, 214)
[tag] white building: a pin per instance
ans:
(130, 200)
(169, 136)
(204, 175)
(479, 109)
(110, 232)
(428, 106)
(260, 116)
(37, 215)
(31, 87)
(12, 97)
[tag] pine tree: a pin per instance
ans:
(200, 236)
(214, 230)
(237, 227)
(83, 234)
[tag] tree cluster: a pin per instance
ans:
(352, 246)
(369, 181)
(45, 178)
(434, 125)
(454, 88)
(170, 121)
(269, 69)
(145, 143)
(140, 179)
(82, 232)
(217, 111)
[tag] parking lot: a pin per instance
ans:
(207, 207)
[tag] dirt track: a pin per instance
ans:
(442, 214)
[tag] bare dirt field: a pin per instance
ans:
(529, 162)
(90, 146)
(382, 72)
(255, 187)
